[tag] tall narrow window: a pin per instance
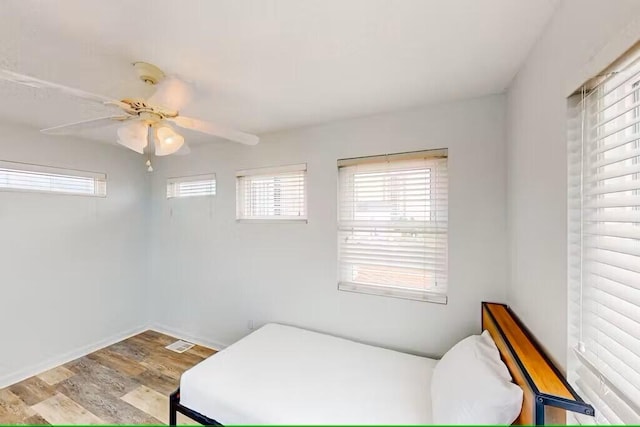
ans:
(45, 179)
(604, 244)
(393, 225)
(272, 194)
(191, 186)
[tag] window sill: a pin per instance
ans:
(423, 296)
(53, 192)
(272, 221)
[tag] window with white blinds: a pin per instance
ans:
(45, 179)
(393, 225)
(272, 194)
(191, 186)
(604, 247)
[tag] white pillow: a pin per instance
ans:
(469, 387)
(488, 347)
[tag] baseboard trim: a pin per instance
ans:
(51, 363)
(205, 342)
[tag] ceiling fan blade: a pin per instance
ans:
(86, 124)
(25, 80)
(134, 135)
(215, 130)
(172, 93)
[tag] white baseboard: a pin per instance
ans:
(205, 342)
(53, 362)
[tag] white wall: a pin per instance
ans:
(72, 269)
(211, 275)
(583, 37)
(74, 272)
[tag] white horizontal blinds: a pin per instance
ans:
(272, 193)
(393, 220)
(35, 178)
(191, 186)
(606, 366)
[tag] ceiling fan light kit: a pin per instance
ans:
(167, 140)
(138, 116)
(134, 136)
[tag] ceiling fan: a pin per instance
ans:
(139, 117)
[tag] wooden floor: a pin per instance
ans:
(126, 383)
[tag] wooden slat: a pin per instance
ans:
(539, 369)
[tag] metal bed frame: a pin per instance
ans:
(175, 407)
(547, 394)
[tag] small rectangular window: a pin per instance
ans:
(45, 179)
(277, 193)
(191, 186)
(393, 225)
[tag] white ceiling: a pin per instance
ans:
(265, 65)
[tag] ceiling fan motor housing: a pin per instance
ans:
(148, 73)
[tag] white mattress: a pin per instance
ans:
(285, 375)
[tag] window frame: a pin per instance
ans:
(425, 295)
(268, 172)
(189, 179)
(99, 179)
(593, 363)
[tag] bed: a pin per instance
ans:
(285, 375)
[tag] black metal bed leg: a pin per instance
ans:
(173, 408)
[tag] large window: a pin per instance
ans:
(272, 194)
(604, 244)
(45, 179)
(392, 225)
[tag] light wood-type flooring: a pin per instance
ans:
(126, 383)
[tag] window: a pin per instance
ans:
(191, 186)
(392, 225)
(604, 246)
(272, 194)
(44, 179)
